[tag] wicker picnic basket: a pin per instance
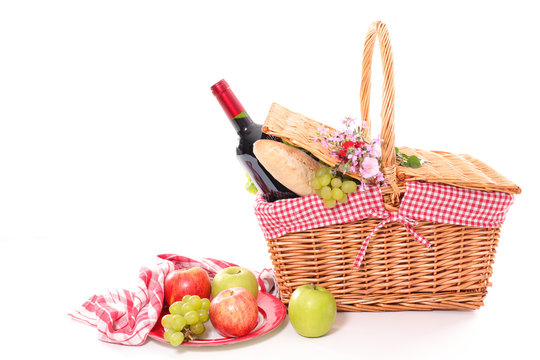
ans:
(397, 272)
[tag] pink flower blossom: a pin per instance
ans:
(362, 186)
(336, 138)
(348, 121)
(369, 168)
(374, 150)
(355, 154)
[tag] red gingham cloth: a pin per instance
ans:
(126, 317)
(298, 214)
(452, 205)
(422, 201)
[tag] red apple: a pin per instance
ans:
(193, 281)
(234, 312)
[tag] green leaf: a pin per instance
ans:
(408, 161)
(288, 143)
(401, 155)
(414, 162)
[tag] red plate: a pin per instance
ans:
(271, 314)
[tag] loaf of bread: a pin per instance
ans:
(290, 166)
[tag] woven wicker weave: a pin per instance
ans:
(398, 273)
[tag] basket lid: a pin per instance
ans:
(440, 167)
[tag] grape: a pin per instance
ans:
(332, 188)
(316, 183)
(337, 193)
(178, 322)
(203, 315)
(195, 300)
(176, 308)
(187, 307)
(321, 171)
(326, 192)
(192, 317)
(336, 182)
(167, 334)
(205, 304)
(325, 179)
(192, 311)
(343, 199)
(176, 338)
(197, 328)
(330, 203)
(251, 188)
(166, 321)
(348, 187)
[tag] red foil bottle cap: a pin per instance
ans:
(227, 99)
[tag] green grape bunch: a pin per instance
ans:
(332, 188)
(186, 319)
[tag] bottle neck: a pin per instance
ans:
(242, 123)
(234, 110)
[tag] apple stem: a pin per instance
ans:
(314, 286)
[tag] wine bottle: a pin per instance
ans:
(249, 132)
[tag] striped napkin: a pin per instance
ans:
(126, 317)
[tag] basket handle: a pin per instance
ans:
(388, 163)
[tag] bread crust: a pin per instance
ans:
(290, 166)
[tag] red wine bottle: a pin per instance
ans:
(249, 132)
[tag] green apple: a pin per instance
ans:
(312, 310)
(234, 276)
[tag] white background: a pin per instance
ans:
(113, 150)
